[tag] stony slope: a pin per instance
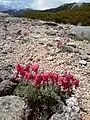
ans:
(27, 41)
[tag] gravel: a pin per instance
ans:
(39, 45)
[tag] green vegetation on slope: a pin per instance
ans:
(73, 16)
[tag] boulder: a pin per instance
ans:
(70, 112)
(12, 108)
(6, 87)
(82, 32)
(84, 57)
(6, 71)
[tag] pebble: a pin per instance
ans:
(72, 44)
(84, 57)
(50, 58)
(82, 62)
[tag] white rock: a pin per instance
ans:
(82, 62)
(72, 44)
(70, 112)
(11, 108)
(50, 58)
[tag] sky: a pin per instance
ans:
(36, 4)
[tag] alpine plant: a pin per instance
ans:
(31, 74)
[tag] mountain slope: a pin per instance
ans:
(73, 13)
(69, 13)
(67, 7)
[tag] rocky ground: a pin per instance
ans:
(32, 41)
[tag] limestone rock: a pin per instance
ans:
(88, 52)
(70, 112)
(82, 62)
(81, 32)
(11, 108)
(72, 44)
(6, 87)
(84, 57)
(50, 58)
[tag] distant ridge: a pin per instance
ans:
(67, 7)
(4, 14)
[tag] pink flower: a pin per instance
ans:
(65, 84)
(51, 77)
(38, 80)
(61, 44)
(27, 68)
(22, 73)
(76, 83)
(35, 68)
(28, 76)
(71, 81)
(60, 79)
(67, 81)
(45, 77)
(19, 68)
(55, 77)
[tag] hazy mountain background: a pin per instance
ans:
(73, 13)
(69, 6)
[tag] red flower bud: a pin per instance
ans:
(22, 73)
(45, 77)
(26, 75)
(30, 76)
(35, 68)
(51, 77)
(55, 77)
(27, 68)
(76, 83)
(60, 79)
(38, 79)
(19, 68)
(65, 84)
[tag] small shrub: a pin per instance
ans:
(63, 46)
(43, 101)
(67, 49)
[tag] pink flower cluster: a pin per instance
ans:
(31, 74)
(62, 43)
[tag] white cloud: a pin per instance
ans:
(13, 4)
(36, 4)
(46, 4)
(5, 2)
